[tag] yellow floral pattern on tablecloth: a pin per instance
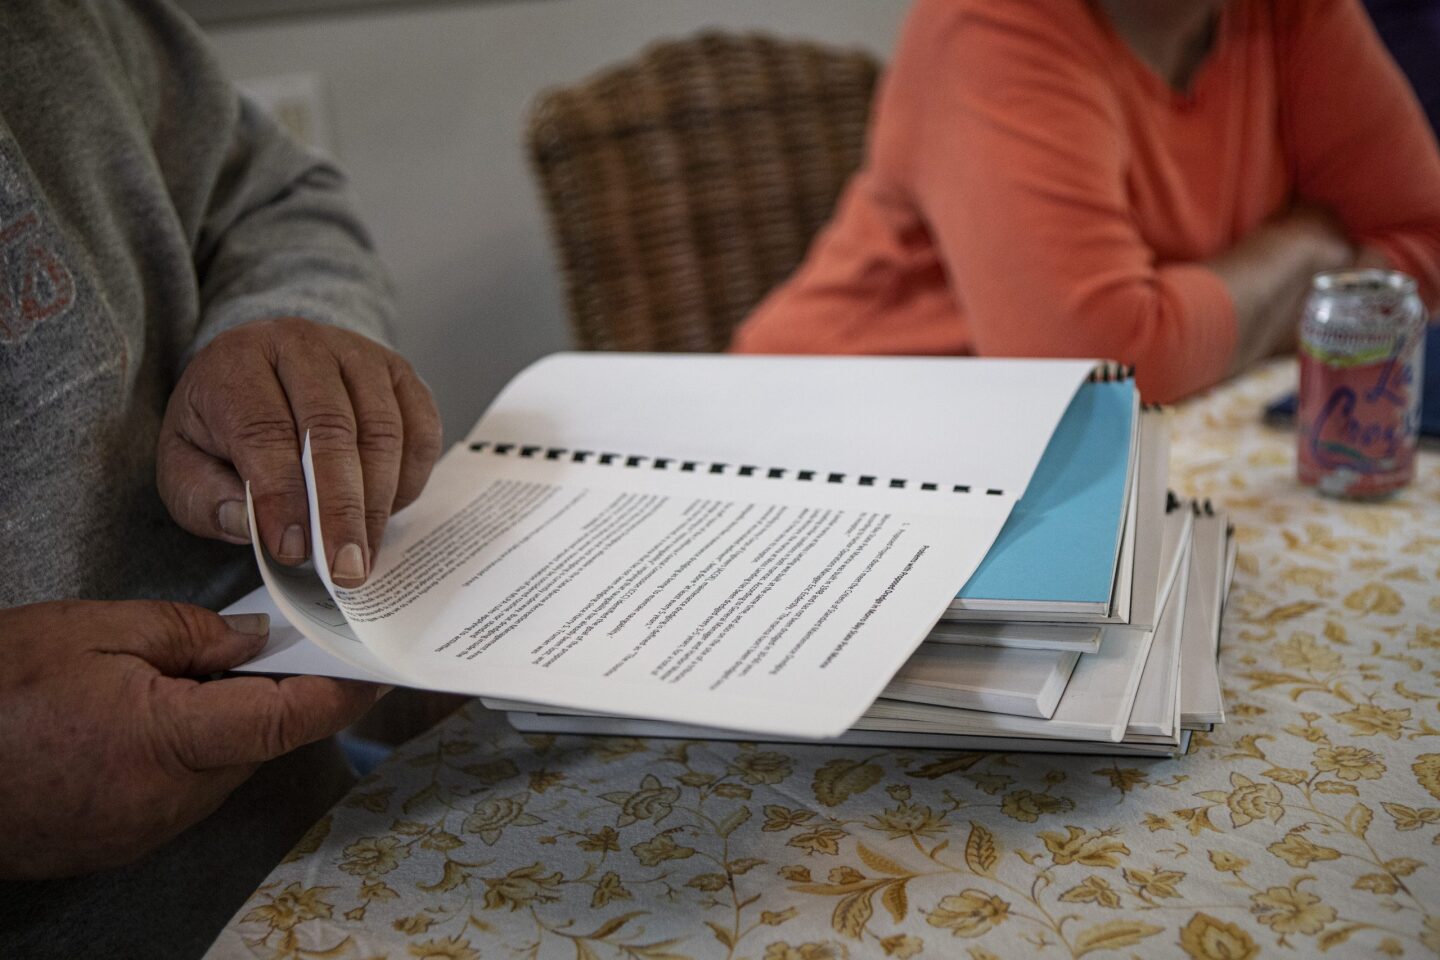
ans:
(1308, 826)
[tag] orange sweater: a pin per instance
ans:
(1033, 189)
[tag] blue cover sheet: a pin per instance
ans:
(1062, 538)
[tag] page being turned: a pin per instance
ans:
(306, 601)
(744, 602)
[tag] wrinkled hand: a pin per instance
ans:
(108, 750)
(1323, 236)
(242, 409)
(1268, 276)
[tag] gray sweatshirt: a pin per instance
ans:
(144, 208)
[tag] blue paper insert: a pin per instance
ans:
(1061, 540)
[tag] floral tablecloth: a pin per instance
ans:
(1307, 826)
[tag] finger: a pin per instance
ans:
(422, 432)
(181, 640)
(243, 720)
(257, 434)
(379, 436)
(321, 407)
(203, 493)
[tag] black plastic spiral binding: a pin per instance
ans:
(1106, 372)
(1200, 507)
(530, 452)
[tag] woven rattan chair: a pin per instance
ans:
(683, 185)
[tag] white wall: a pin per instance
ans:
(426, 109)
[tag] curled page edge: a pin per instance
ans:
(317, 538)
(349, 649)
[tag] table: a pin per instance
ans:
(1309, 825)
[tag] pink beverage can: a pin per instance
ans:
(1361, 375)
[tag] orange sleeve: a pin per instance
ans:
(1019, 164)
(1357, 137)
(855, 292)
(869, 283)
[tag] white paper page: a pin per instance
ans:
(1232, 554)
(947, 420)
(288, 651)
(1100, 696)
(1121, 594)
(1175, 539)
(1154, 710)
(1097, 701)
(1172, 746)
(989, 679)
(769, 606)
(1212, 534)
(306, 603)
(1022, 682)
(1154, 481)
(1177, 726)
(1075, 638)
(1201, 700)
(530, 722)
(1095, 705)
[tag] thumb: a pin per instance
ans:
(203, 493)
(181, 640)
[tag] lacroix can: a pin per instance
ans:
(1361, 356)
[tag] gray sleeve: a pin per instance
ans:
(278, 238)
(270, 229)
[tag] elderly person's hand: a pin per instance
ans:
(111, 746)
(241, 411)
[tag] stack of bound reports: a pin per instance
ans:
(954, 552)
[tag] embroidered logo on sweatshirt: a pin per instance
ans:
(35, 283)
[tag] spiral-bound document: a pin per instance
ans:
(1120, 700)
(752, 543)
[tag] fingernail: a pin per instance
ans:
(250, 624)
(349, 563)
(292, 543)
(234, 520)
